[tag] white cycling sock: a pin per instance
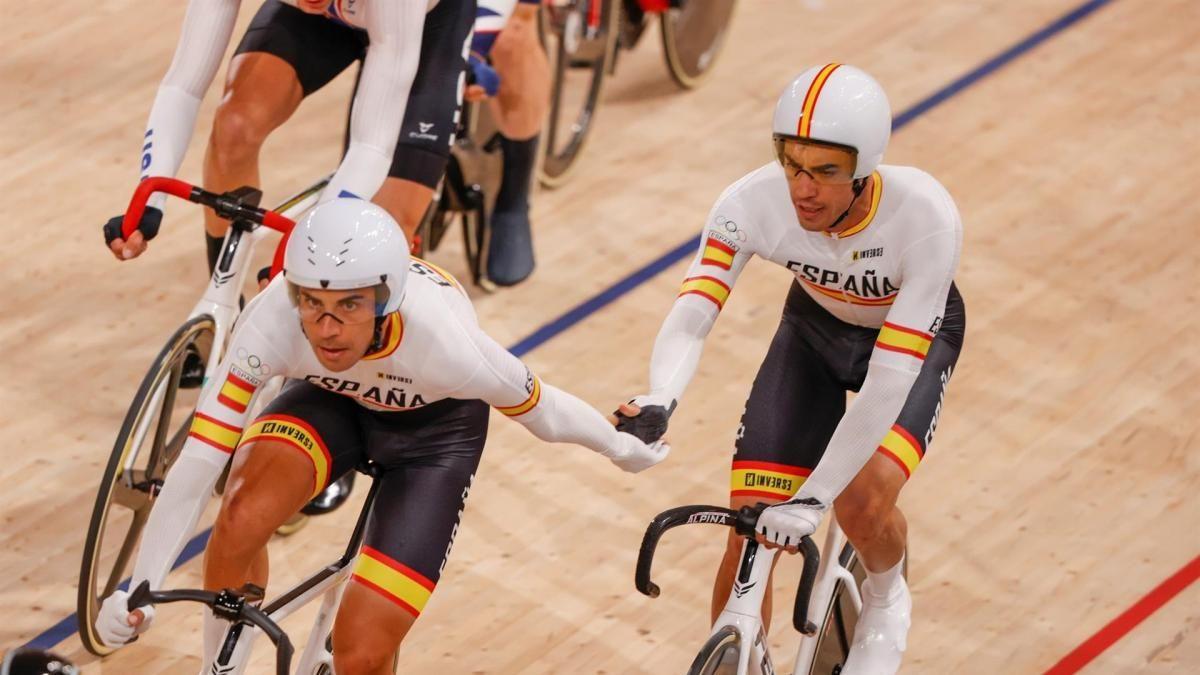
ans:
(882, 585)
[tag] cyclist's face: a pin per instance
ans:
(819, 182)
(313, 6)
(338, 324)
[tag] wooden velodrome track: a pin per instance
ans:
(1061, 489)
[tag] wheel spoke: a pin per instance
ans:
(165, 413)
(127, 547)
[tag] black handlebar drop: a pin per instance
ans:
(233, 606)
(743, 522)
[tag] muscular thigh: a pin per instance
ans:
(428, 464)
(793, 408)
(431, 115)
(317, 427)
(315, 48)
(909, 439)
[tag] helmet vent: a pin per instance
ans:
(324, 283)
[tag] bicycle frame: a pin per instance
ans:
(743, 608)
(328, 582)
(221, 297)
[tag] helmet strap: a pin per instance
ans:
(377, 340)
(858, 186)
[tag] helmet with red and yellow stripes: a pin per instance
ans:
(838, 105)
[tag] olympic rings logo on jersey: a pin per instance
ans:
(253, 363)
(731, 228)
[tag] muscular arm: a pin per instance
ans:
(217, 425)
(898, 356)
(504, 382)
(394, 29)
(711, 277)
(202, 42)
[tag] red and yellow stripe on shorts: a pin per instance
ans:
(904, 340)
(298, 434)
(235, 393)
(528, 404)
(214, 432)
(711, 288)
(804, 127)
(765, 479)
(393, 580)
(900, 447)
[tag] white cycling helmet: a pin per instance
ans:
(349, 243)
(837, 104)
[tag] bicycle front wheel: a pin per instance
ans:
(720, 655)
(693, 34)
(580, 37)
(150, 440)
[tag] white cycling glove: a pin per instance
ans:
(785, 524)
(633, 455)
(112, 624)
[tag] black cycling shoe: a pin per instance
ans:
(331, 497)
(192, 374)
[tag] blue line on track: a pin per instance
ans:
(66, 628)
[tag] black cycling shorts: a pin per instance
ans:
(799, 395)
(428, 457)
(319, 48)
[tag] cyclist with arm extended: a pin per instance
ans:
(385, 362)
(872, 309)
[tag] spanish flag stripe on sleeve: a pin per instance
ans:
(707, 287)
(765, 479)
(235, 393)
(526, 405)
(395, 581)
(899, 446)
(214, 432)
(297, 434)
(717, 253)
(903, 340)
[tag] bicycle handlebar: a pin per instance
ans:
(742, 521)
(239, 204)
(229, 605)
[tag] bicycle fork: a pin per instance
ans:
(743, 609)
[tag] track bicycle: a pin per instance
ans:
(825, 612)
(247, 620)
(157, 421)
(582, 38)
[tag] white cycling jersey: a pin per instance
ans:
(431, 349)
(891, 271)
(394, 29)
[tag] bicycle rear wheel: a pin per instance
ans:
(718, 656)
(150, 440)
(693, 34)
(580, 37)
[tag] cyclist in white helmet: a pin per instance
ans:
(385, 362)
(873, 309)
